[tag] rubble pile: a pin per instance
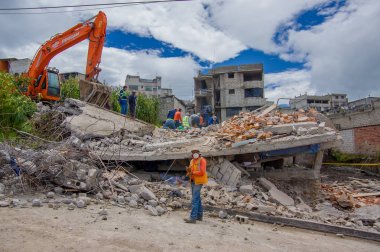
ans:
(247, 125)
(354, 193)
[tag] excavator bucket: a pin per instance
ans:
(94, 93)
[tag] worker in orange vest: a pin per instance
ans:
(178, 118)
(198, 177)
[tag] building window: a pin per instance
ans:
(342, 97)
(232, 111)
(231, 91)
(147, 88)
(142, 87)
(336, 97)
(154, 89)
(252, 76)
(253, 92)
(231, 75)
(133, 87)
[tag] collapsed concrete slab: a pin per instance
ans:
(94, 121)
(225, 172)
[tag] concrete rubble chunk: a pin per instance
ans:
(133, 203)
(281, 197)
(153, 203)
(103, 212)
(36, 203)
(171, 144)
(266, 184)
(2, 188)
(80, 203)
(97, 122)
(152, 210)
(4, 203)
(58, 190)
(289, 128)
(346, 201)
(222, 214)
(50, 195)
(160, 210)
(247, 189)
(71, 206)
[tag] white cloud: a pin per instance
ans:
(343, 53)
(287, 84)
(256, 22)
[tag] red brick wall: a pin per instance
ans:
(367, 140)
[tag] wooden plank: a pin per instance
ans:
(267, 110)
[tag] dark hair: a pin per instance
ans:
(179, 109)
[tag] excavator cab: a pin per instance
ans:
(47, 85)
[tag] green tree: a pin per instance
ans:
(15, 108)
(70, 89)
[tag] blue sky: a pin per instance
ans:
(314, 46)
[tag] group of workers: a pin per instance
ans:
(125, 100)
(174, 120)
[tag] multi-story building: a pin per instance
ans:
(322, 103)
(75, 75)
(148, 86)
(226, 91)
(338, 100)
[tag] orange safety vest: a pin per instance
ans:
(195, 166)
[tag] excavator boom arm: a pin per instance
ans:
(94, 29)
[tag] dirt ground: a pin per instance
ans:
(45, 229)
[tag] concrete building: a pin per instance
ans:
(15, 66)
(166, 91)
(363, 104)
(360, 128)
(168, 103)
(150, 87)
(338, 101)
(322, 103)
(65, 76)
(226, 91)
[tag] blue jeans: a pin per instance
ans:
(196, 203)
(124, 106)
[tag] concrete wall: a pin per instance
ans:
(19, 66)
(168, 103)
(348, 145)
(357, 119)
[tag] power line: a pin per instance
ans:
(89, 5)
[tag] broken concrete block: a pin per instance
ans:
(152, 203)
(222, 214)
(4, 203)
(36, 203)
(266, 184)
(160, 210)
(58, 190)
(133, 203)
(80, 203)
(302, 131)
(71, 206)
(2, 188)
(152, 210)
(281, 197)
(289, 128)
(50, 195)
(171, 144)
(147, 194)
(248, 189)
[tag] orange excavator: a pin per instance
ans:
(45, 83)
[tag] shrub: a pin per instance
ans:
(70, 89)
(147, 109)
(15, 108)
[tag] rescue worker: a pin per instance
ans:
(198, 177)
(213, 120)
(195, 121)
(178, 118)
(169, 124)
(186, 121)
(171, 113)
(132, 104)
(123, 101)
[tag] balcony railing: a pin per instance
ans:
(203, 92)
